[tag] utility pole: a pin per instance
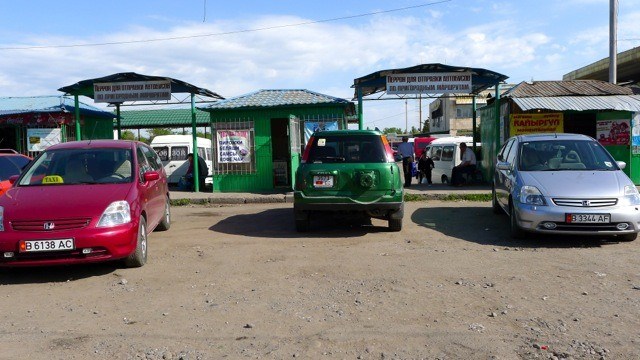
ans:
(420, 112)
(406, 118)
(613, 39)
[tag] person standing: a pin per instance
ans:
(466, 166)
(406, 151)
(425, 165)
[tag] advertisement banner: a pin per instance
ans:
(613, 132)
(40, 139)
(233, 146)
(635, 135)
(429, 83)
(118, 92)
(520, 124)
(53, 119)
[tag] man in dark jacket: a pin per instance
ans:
(203, 171)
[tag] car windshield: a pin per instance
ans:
(347, 149)
(557, 155)
(80, 166)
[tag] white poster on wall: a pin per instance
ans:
(40, 139)
(233, 146)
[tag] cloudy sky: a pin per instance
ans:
(237, 47)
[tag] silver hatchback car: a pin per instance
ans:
(564, 184)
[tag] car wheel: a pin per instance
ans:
(395, 224)
(444, 179)
(627, 237)
(139, 256)
(497, 209)
(303, 221)
(516, 231)
(165, 223)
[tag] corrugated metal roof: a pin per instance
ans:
(161, 118)
(566, 88)
(274, 98)
(580, 103)
(48, 104)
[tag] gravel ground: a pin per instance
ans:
(237, 281)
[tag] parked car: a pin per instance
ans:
(173, 151)
(564, 184)
(11, 164)
(350, 172)
(84, 201)
(445, 153)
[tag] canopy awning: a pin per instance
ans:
(481, 79)
(85, 87)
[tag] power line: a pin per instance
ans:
(35, 47)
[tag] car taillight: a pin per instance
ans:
(307, 148)
(387, 149)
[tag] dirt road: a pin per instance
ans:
(239, 282)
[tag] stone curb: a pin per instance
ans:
(288, 198)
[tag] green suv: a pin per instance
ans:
(351, 172)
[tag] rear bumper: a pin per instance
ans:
(389, 204)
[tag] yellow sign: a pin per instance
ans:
(52, 179)
(536, 123)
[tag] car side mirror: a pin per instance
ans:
(13, 178)
(621, 164)
(500, 158)
(151, 176)
(503, 165)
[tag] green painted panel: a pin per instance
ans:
(490, 146)
(263, 179)
(623, 152)
(97, 128)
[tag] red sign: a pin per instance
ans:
(37, 118)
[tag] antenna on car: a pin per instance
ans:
(93, 131)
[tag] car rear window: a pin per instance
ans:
(347, 149)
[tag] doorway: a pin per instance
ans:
(8, 138)
(280, 152)
(580, 123)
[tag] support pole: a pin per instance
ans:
(474, 121)
(496, 105)
(76, 104)
(196, 158)
(118, 121)
(360, 120)
(613, 39)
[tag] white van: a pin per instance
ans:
(173, 151)
(445, 153)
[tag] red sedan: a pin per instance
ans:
(11, 164)
(85, 201)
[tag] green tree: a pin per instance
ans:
(128, 135)
(392, 130)
(159, 131)
(425, 127)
